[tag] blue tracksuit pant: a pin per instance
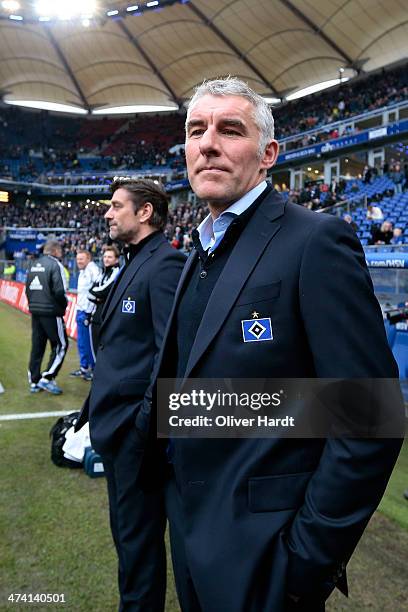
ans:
(86, 359)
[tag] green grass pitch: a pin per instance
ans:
(54, 531)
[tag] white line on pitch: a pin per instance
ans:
(33, 415)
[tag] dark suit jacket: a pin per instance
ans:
(133, 323)
(270, 516)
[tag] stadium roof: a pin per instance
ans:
(118, 54)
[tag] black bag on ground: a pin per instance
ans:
(57, 435)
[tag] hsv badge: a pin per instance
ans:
(129, 306)
(256, 330)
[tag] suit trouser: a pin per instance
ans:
(138, 524)
(42, 330)
(86, 358)
(186, 592)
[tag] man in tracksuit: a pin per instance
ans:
(101, 288)
(47, 301)
(88, 274)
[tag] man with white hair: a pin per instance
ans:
(271, 291)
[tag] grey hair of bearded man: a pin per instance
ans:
(231, 86)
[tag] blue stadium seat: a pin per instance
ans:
(400, 351)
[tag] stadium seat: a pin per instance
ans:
(400, 351)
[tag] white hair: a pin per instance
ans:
(232, 86)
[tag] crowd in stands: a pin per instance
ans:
(374, 226)
(317, 196)
(378, 90)
(57, 149)
(381, 217)
(50, 144)
(74, 167)
(72, 215)
(182, 220)
(394, 170)
(87, 226)
(154, 135)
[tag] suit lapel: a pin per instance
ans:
(184, 275)
(261, 228)
(126, 275)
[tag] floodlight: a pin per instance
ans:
(316, 87)
(272, 100)
(136, 108)
(65, 9)
(10, 5)
(51, 106)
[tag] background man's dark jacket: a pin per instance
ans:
(45, 287)
(129, 340)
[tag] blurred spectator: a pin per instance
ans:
(367, 174)
(88, 275)
(397, 236)
(398, 177)
(9, 271)
(181, 221)
(315, 197)
(349, 219)
(101, 288)
(374, 213)
(382, 235)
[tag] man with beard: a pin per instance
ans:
(132, 328)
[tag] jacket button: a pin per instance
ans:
(203, 274)
(101, 346)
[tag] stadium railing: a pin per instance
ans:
(345, 207)
(349, 122)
